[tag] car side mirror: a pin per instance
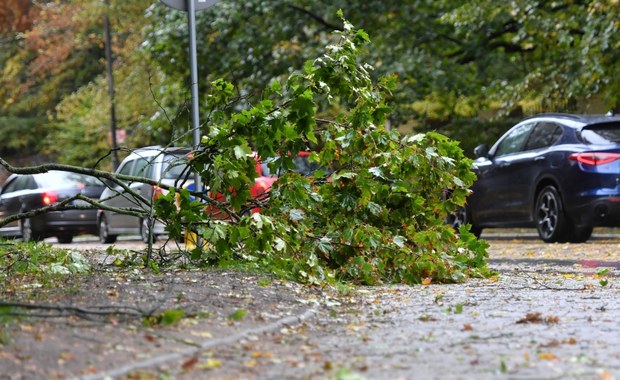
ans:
(481, 151)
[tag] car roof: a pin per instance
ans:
(583, 119)
(155, 150)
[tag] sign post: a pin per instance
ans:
(191, 6)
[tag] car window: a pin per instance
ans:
(126, 168)
(8, 186)
(608, 133)
(11, 186)
(514, 141)
(18, 183)
(543, 136)
(139, 167)
(60, 179)
(175, 167)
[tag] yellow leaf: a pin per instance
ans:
(65, 356)
(547, 356)
(210, 364)
(257, 354)
(427, 281)
(606, 375)
(202, 334)
(250, 363)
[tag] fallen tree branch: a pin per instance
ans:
(56, 311)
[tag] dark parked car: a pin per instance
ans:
(558, 173)
(23, 193)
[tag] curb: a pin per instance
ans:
(161, 359)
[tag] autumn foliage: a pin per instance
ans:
(16, 16)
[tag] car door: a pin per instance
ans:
(120, 199)
(500, 192)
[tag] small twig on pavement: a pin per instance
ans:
(543, 285)
(53, 311)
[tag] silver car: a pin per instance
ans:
(166, 166)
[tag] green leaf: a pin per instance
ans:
(374, 208)
(399, 241)
(458, 308)
(296, 215)
(324, 244)
(172, 316)
(238, 315)
(241, 151)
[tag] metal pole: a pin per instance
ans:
(191, 7)
(108, 58)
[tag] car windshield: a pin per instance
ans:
(58, 179)
(176, 167)
(608, 133)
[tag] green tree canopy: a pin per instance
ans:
(452, 59)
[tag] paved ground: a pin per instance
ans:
(546, 315)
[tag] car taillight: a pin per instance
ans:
(594, 158)
(157, 192)
(49, 198)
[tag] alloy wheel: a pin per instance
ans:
(551, 222)
(547, 214)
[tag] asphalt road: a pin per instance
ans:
(552, 312)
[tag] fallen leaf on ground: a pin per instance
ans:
(531, 318)
(257, 354)
(538, 318)
(202, 334)
(189, 363)
(250, 363)
(210, 364)
(427, 318)
(547, 356)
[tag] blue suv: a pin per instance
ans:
(559, 173)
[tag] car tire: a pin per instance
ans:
(580, 234)
(104, 231)
(28, 232)
(460, 218)
(549, 216)
(65, 239)
(144, 231)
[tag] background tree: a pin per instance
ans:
(454, 60)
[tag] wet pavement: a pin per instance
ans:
(552, 312)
